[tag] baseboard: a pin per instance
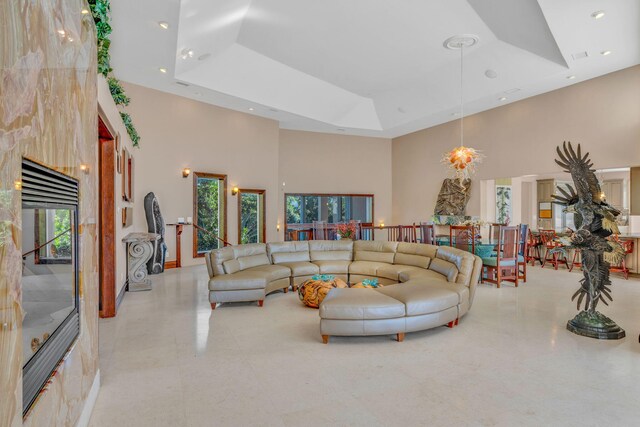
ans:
(170, 264)
(85, 416)
(120, 295)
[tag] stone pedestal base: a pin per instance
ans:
(595, 325)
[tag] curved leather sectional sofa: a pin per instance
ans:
(425, 285)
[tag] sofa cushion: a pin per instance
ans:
(302, 268)
(406, 275)
(393, 271)
(366, 268)
(247, 262)
(367, 250)
(447, 269)
(416, 254)
(239, 281)
(463, 261)
(360, 304)
(281, 252)
(333, 266)
(217, 257)
(421, 297)
(272, 272)
(326, 250)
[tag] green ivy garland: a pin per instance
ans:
(100, 10)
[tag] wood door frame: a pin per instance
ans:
(107, 220)
(262, 193)
(223, 178)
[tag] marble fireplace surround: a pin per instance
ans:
(48, 114)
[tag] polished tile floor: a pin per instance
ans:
(168, 360)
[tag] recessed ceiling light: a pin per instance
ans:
(454, 114)
(491, 74)
(605, 52)
(514, 90)
(85, 11)
(164, 25)
(70, 38)
(162, 70)
(203, 56)
(275, 110)
(250, 108)
(598, 14)
(571, 77)
(186, 53)
(502, 98)
(62, 33)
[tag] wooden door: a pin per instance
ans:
(107, 222)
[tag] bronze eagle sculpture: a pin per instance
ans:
(595, 220)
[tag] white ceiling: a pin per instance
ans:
(368, 67)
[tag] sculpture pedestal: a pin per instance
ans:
(139, 252)
(595, 325)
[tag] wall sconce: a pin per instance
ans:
(186, 172)
(84, 168)
(278, 226)
(381, 224)
(17, 185)
(234, 191)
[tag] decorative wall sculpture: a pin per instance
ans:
(155, 224)
(453, 197)
(595, 220)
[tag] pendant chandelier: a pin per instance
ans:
(462, 160)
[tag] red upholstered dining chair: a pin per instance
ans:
(427, 233)
(552, 254)
(394, 233)
(503, 266)
(463, 237)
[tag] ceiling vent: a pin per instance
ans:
(182, 84)
(580, 55)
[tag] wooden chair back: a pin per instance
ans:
(494, 232)
(509, 239)
(463, 237)
(319, 230)
(524, 237)
(427, 233)
(394, 233)
(547, 237)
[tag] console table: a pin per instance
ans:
(176, 263)
(139, 252)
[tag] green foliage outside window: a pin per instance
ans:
(250, 218)
(208, 191)
(61, 247)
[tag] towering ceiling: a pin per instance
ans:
(368, 67)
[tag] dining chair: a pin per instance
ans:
(522, 252)
(553, 249)
(463, 237)
(504, 265)
(494, 232)
(408, 233)
(394, 233)
(627, 245)
(320, 230)
(427, 233)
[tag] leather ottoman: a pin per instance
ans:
(361, 312)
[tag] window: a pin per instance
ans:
(503, 204)
(209, 212)
(332, 208)
(251, 216)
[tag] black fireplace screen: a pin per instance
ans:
(49, 273)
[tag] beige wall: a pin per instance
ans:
(178, 132)
(519, 139)
(326, 163)
(111, 116)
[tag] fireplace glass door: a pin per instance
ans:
(49, 273)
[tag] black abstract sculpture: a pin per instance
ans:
(155, 224)
(595, 220)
